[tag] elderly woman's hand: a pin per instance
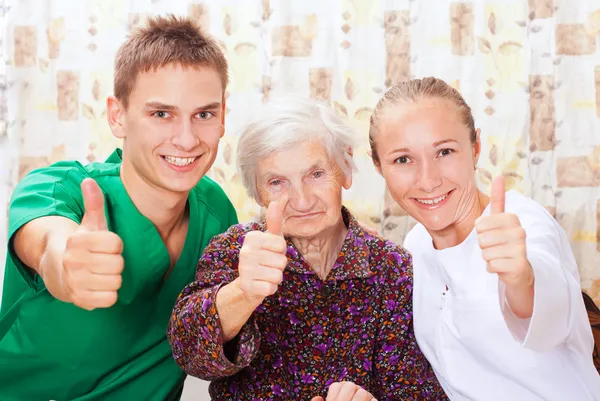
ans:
(346, 391)
(262, 258)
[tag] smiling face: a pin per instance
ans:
(171, 127)
(309, 182)
(427, 158)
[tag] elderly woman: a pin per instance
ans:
(497, 302)
(306, 303)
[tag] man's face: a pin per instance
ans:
(172, 126)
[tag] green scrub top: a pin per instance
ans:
(51, 350)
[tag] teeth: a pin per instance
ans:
(180, 161)
(432, 201)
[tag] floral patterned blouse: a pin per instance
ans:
(354, 326)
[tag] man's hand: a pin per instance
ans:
(89, 272)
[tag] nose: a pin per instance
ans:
(184, 137)
(302, 198)
(428, 178)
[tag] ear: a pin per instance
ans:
(477, 146)
(223, 108)
(347, 183)
(347, 180)
(115, 114)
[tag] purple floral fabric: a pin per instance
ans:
(354, 326)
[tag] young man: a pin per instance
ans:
(98, 254)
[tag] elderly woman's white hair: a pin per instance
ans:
(289, 121)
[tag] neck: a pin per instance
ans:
(457, 232)
(165, 209)
(322, 251)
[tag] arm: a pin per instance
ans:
(556, 289)
(58, 232)
(212, 331)
(401, 369)
(234, 308)
(539, 289)
(195, 331)
(39, 245)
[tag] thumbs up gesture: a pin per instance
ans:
(263, 257)
(502, 241)
(92, 261)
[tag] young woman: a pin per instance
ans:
(498, 310)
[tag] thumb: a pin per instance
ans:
(318, 398)
(275, 217)
(498, 194)
(94, 218)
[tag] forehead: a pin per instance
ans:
(175, 84)
(425, 121)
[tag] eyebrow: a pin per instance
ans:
(271, 174)
(168, 107)
(435, 145)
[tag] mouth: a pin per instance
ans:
(433, 202)
(306, 216)
(180, 161)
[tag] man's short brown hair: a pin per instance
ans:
(165, 40)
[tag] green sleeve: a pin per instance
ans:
(49, 191)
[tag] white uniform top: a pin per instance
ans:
(479, 350)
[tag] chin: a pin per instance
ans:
(180, 185)
(303, 231)
(434, 223)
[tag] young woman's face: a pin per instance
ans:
(427, 159)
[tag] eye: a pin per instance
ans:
(161, 114)
(275, 183)
(402, 160)
(205, 115)
(446, 152)
(318, 174)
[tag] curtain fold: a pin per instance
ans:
(530, 70)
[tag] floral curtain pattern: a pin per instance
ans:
(530, 69)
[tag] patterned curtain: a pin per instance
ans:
(530, 69)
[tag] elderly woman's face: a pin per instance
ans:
(309, 182)
(427, 159)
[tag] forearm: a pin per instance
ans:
(553, 304)
(234, 309)
(195, 335)
(520, 299)
(39, 243)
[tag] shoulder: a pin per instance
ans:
(61, 172)
(390, 258)
(214, 199)
(58, 182)
(67, 174)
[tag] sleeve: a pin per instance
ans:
(557, 293)
(195, 330)
(50, 191)
(402, 371)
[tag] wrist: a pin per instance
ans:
(50, 270)
(251, 300)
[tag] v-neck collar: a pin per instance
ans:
(146, 245)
